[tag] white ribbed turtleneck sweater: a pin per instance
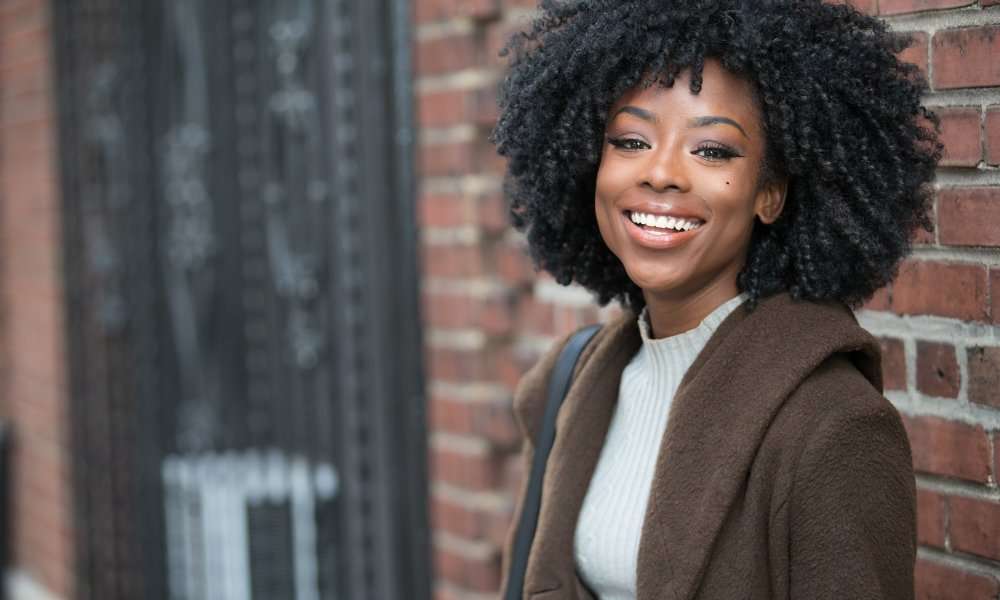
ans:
(606, 543)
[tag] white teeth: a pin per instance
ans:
(663, 221)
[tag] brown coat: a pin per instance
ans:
(783, 472)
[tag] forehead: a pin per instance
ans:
(722, 94)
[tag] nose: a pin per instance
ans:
(665, 170)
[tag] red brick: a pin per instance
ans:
(969, 216)
(923, 236)
(930, 518)
(570, 318)
(509, 364)
(497, 316)
(948, 448)
(973, 527)
(488, 161)
(513, 264)
(457, 366)
(966, 57)
(993, 134)
(453, 416)
(996, 456)
(489, 420)
(519, 3)
(473, 471)
(492, 213)
(460, 158)
(536, 317)
(426, 11)
(995, 295)
(894, 7)
(21, 47)
(944, 289)
(452, 260)
(441, 55)
(473, 573)
(984, 376)
(893, 364)
(960, 129)
(445, 210)
(449, 311)
(445, 108)
(879, 300)
(937, 370)
(493, 315)
(935, 581)
(989, 2)
(916, 53)
(447, 159)
(497, 36)
(485, 110)
(34, 399)
(468, 522)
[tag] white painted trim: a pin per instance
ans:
(21, 586)
(933, 21)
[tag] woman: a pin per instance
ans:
(737, 174)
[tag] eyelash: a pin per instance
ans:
(723, 152)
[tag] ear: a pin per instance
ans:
(770, 201)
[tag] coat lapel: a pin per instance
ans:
(718, 419)
(581, 427)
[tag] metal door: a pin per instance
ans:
(239, 254)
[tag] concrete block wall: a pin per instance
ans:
(488, 316)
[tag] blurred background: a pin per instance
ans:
(263, 315)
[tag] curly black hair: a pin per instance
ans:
(842, 116)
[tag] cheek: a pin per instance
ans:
(607, 188)
(732, 203)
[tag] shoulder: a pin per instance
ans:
(532, 390)
(840, 437)
(837, 394)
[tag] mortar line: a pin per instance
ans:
(954, 487)
(974, 564)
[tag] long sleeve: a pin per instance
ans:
(852, 510)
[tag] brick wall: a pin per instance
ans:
(938, 321)
(488, 316)
(32, 376)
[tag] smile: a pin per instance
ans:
(663, 221)
(659, 232)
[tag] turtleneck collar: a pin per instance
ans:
(688, 343)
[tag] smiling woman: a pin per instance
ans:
(738, 174)
(676, 156)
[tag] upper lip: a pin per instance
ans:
(667, 210)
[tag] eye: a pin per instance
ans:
(628, 144)
(716, 152)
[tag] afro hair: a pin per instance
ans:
(841, 112)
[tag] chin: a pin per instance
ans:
(653, 279)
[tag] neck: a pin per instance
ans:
(671, 314)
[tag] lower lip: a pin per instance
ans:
(658, 239)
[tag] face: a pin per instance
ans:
(678, 186)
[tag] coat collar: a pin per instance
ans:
(718, 417)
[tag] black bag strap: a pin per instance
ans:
(562, 376)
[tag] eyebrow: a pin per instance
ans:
(715, 120)
(705, 121)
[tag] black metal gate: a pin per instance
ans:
(247, 410)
